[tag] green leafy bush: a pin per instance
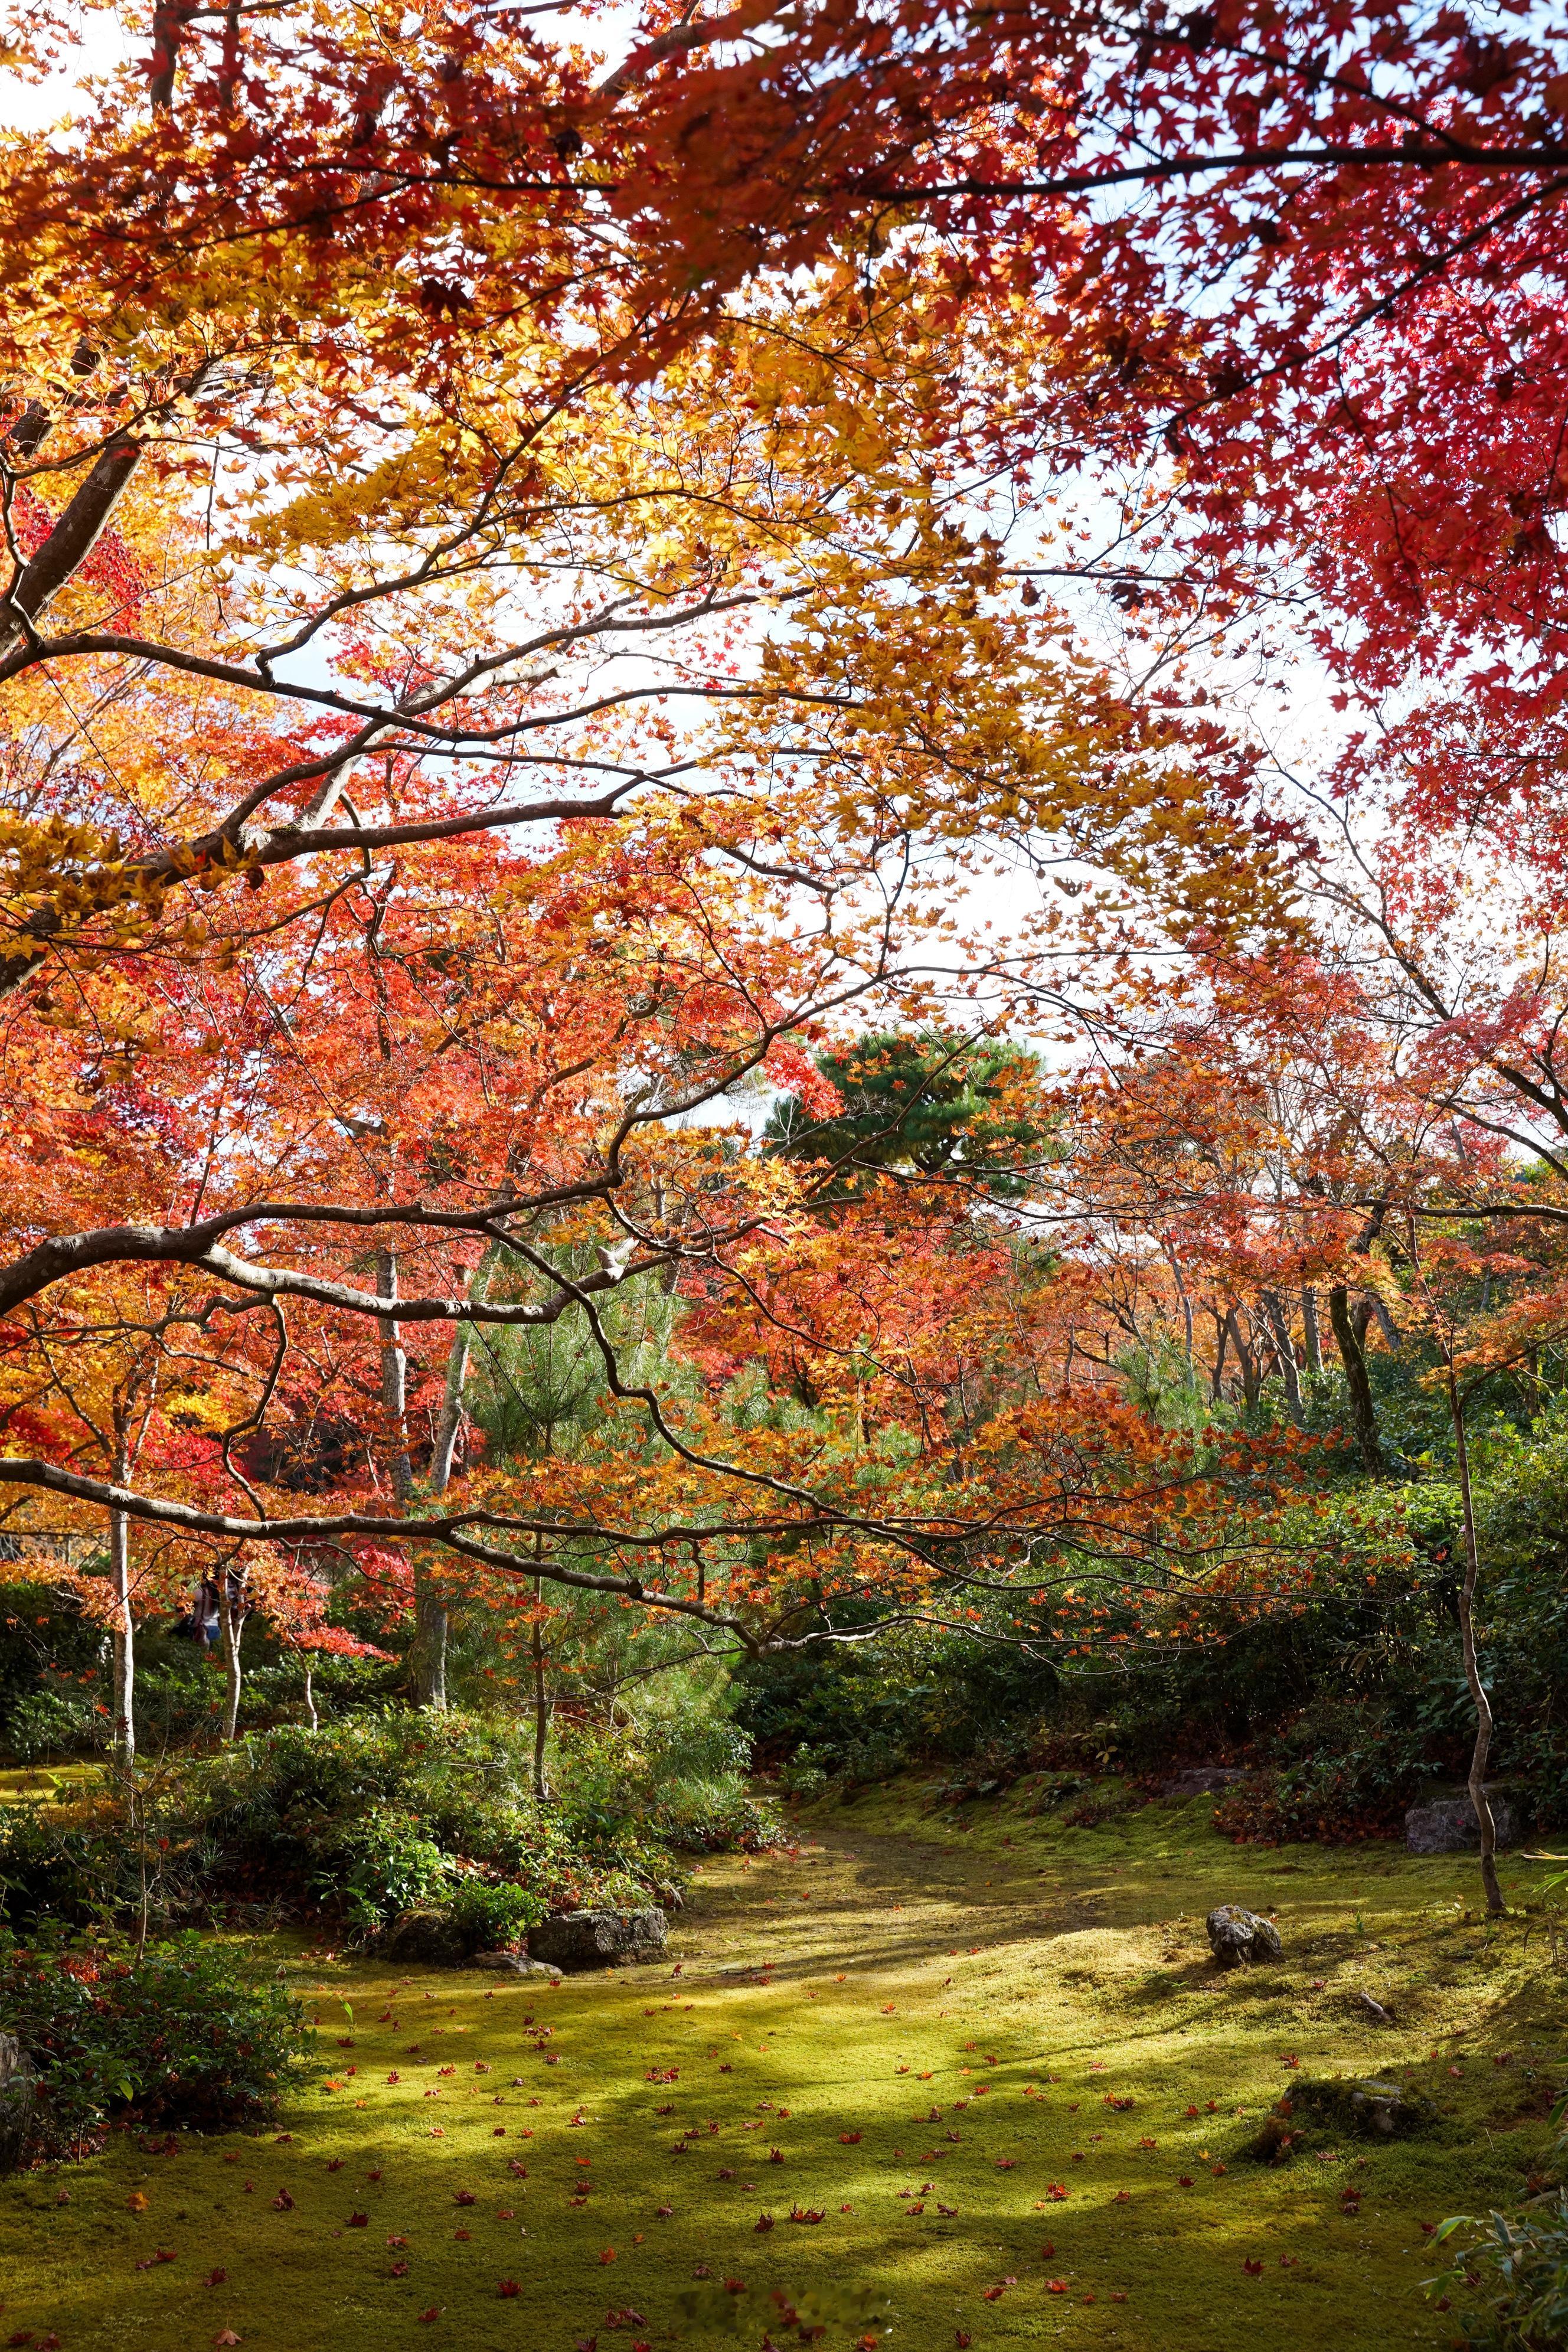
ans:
(61, 1868)
(491, 1917)
(385, 1814)
(178, 2035)
(380, 1815)
(1518, 2266)
(380, 1863)
(58, 1716)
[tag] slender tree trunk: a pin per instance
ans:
(231, 1626)
(393, 1384)
(1244, 1357)
(1312, 1344)
(541, 1710)
(1363, 1413)
(124, 1631)
(1482, 1749)
(430, 1629)
(1284, 1347)
(451, 1420)
(428, 1657)
(312, 1718)
(1386, 1325)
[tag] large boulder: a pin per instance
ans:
(599, 1940)
(1237, 1937)
(1448, 1824)
(17, 2083)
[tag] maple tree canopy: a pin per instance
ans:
(526, 582)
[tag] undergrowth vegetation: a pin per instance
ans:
(184, 2033)
(379, 1823)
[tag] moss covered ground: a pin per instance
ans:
(991, 2066)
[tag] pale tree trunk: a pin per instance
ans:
(1482, 1749)
(312, 1718)
(429, 1652)
(1312, 1346)
(231, 1628)
(452, 1420)
(124, 1631)
(430, 1618)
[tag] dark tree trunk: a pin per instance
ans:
(1363, 1413)
(1250, 1380)
(71, 540)
(1284, 1349)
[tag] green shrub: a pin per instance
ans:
(52, 1866)
(805, 1775)
(382, 1864)
(1518, 2265)
(59, 1716)
(490, 1917)
(374, 1816)
(180, 2034)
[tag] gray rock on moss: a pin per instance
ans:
(514, 1964)
(1448, 1824)
(598, 1939)
(1237, 1937)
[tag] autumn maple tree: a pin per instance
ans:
(530, 577)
